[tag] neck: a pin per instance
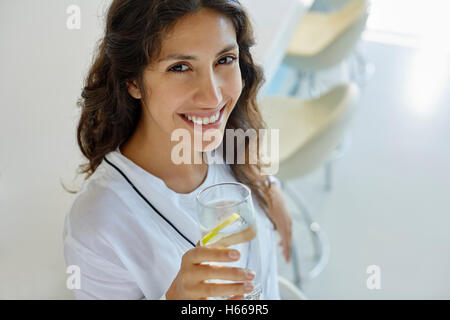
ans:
(152, 149)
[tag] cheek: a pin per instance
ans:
(233, 89)
(237, 90)
(236, 84)
(165, 104)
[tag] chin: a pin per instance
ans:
(208, 145)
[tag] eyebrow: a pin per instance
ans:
(178, 56)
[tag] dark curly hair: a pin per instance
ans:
(132, 40)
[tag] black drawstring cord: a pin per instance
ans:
(156, 210)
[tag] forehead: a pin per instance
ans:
(200, 32)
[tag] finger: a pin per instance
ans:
(285, 250)
(286, 255)
(290, 244)
(224, 289)
(207, 272)
(235, 238)
(237, 297)
(205, 254)
(288, 252)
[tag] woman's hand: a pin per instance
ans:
(190, 282)
(282, 219)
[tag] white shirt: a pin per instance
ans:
(125, 250)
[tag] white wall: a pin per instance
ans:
(42, 65)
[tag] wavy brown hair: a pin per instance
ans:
(132, 40)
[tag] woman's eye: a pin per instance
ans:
(230, 61)
(178, 66)
(181, 68)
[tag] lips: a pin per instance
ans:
(204, 120)
(203, 114)
(215, 124)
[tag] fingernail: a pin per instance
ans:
(248, 286)
(233, 254)
(249, 274)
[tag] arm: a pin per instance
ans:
(280, 216)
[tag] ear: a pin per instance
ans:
(133, 89)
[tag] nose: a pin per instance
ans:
(209, 91)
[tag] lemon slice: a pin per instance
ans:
(219, 227)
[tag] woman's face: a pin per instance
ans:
(196, 76)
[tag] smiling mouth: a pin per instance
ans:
(205, 121)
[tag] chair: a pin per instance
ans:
(323, 40)
(288, 291)
(309, 131)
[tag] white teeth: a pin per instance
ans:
(204, 121)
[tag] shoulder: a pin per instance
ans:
(97, 206)
(97, 193)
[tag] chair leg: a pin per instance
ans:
(295, 263)
(361, 69)
(319, 239)
(296, 266)
(338, 153)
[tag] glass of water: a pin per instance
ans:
(226, 218)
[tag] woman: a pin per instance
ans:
(165, 65)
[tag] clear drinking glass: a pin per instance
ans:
(226, 218)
